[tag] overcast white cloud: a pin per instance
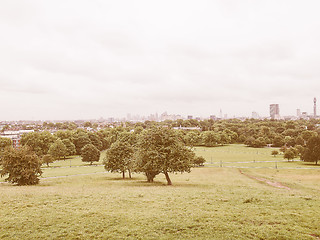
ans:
(76, 59)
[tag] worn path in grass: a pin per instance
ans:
(274, 184)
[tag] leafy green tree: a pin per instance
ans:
(256, 143)
(224, 138)
(80, 139)
(50, 125)
(90, 153)
(128, 137)
(289, 154)
(22, 166)
(278, 141)
(289, 141)
(233, 136)
(280, 129)
(102, 137)
(119, 158)
(210, 138)
(290, 132)
(249, 141)
(300, 150)
(60, 125)
(71, 148)
(312, 150)
(5, 142)
(87, 124)
(181, 135)
(72, 126)
(160, 151)
(283, 149)
(192, 138)
(111, 137)
(199, 161)
(95, 140)
(295, 151)
(259, 142)
(67, 134)
(47, 159)
(311, 126)
(265, 131)
(5, 128)
(300, 141)
(58, 150)
(274, 153)
(39, 142)
(307, 134)
(138, 129)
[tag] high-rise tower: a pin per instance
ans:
(274, 111)
(314, 107)
(298, 113)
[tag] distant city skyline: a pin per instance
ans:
(274, 113)
(90, 59)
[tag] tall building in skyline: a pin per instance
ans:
(255, 115)
(274, 111)
(298, 112)
(314, 107)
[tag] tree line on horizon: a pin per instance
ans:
(123, 143)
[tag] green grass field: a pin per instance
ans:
(238, 155)
(208, 203)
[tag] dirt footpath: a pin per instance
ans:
(274, 184)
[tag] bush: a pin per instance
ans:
(198, 161)
(274, 153)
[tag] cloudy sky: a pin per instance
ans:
(76, 59)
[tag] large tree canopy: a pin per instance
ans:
(71, 148)
(58, 150)
(5, 142)
(312, 150)
(80, 139)
(39, 142)
(90, 153)
(22, 166)
(159, 150)
(119, 157)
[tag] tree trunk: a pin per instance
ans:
(129, 173)
(150, 177)
(168, 178)
(123, 175)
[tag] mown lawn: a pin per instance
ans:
(236, 153)
(239, 155)
(208, 203)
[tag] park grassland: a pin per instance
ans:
(211, 202)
